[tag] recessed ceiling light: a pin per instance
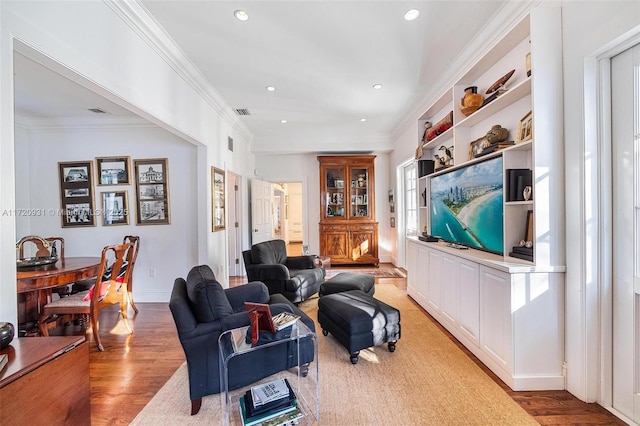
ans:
(270, 89)
(283, 121)
(377, 86)
(411, 14)
(363, 119)
(241, 15)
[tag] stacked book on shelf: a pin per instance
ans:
(525, 253)
(270, 404)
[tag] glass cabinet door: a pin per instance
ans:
(335, 193)
(359, 181)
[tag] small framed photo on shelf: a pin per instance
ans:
(152, 183)
(113, 170)
(115, 208)
(479, 147)
(525, 128)
(76, 194)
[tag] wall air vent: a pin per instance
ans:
(97, 110)
(242, 111)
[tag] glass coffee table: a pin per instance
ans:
(303, 381)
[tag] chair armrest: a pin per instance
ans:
(279, 300)
(276, 308)
(239, 319)
(268, 272)
(301, 262)
(254, 291)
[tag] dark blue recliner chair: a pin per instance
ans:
(202, 310)
(296, 277)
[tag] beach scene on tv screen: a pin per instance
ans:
(466, 206)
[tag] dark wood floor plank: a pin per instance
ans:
(133, 368)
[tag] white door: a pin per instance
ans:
(260, 211)
(234, 217)
(625, 77)
(294, 212)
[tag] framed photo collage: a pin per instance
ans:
(151, 192)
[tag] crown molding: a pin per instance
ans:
(138, 18)
(382, 143)
(502, 21)
(80, 123)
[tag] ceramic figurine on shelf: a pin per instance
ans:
(447, 155)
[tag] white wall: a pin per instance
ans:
(101, 47)
(166, 251)
(305, 168)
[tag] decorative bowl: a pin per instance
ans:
(34, 262)
(7, 330)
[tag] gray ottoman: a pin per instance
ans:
(358, 321)
(346, 281)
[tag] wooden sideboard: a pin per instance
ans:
(46, 381)
(348, 227)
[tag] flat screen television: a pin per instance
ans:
(466, 206)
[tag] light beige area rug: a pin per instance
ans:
(428, 380)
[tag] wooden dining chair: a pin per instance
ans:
(86, 284)
(115, 271)
(56, 248)
(135, 240)
(43, 251)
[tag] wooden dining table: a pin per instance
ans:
(34, 285)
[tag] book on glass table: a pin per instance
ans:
(284, 320)
(267, 396)
(276, 417)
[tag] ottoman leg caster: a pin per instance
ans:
(325, 332)
(392, 346)
(354, 357)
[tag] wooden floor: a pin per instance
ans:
(133, 368)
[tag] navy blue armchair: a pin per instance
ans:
(296, 277)
(202, 310)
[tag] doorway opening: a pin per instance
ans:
(287, 217)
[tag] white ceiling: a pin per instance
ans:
(323, 57)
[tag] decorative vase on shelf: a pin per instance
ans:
(471, 101)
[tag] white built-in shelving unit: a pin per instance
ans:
(507, 311)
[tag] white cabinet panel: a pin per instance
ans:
(449, 290)
(434, 273)
(495, 316)
(469, 290)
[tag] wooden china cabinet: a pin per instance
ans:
(348, 227)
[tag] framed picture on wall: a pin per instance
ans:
(113, 170)
(76, 194)
(115, 208)
(217, 199)
(152, 191)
